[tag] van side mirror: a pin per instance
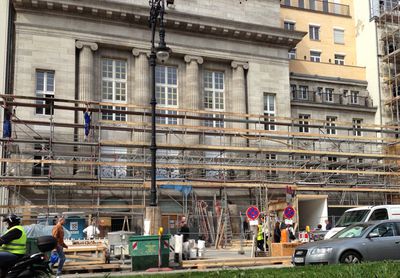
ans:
(373, 234)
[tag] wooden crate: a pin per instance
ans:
(283, 249)
(85, 255)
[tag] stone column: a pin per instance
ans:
(141, 92)
(191, 99)
(85, 93)
(86, 70)
(237, 98)
(237, 104)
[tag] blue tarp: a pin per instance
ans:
(184, 189)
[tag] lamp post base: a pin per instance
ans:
(153, 215)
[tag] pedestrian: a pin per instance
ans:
(328, 225)
(184, 229)
(319, 227)
(290, 232)
(12, 244)
(91, 231)
(277, 232)
(58, 234)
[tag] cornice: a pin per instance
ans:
(177, 21)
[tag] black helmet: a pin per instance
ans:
(12, 219)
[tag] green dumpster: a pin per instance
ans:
(144, 251)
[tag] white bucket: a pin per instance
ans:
(201, 244)
(178, 243)
(201, 253)
(193, 253)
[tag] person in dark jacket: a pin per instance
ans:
(12, 244)
(184, 230)
(277, 232)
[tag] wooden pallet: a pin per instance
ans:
(85, 255)
(91, 268)
(210, 263)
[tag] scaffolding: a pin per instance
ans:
(49, 165)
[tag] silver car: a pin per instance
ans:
(368, 241)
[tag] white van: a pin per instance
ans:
(364, 214)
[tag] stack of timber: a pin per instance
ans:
(211, 263)
(86, 252)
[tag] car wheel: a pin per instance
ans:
(350, 257)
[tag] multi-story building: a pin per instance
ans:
(256, 95)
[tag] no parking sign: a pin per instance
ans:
(289, 212)
(252, 213)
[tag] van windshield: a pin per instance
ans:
(351, 217)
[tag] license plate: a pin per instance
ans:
(298, 260)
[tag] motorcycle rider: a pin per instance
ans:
(12, 244)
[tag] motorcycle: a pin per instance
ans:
(35, 265)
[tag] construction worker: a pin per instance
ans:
(260, 235)
(58, 234)
(12, 244)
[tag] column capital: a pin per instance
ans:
(81, 44)
(137, 51)
(198, 59)
(236, 64)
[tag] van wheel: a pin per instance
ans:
(350, 257)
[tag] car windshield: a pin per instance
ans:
(353, 231)
(351, 217)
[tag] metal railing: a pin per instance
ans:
(319, 6)
(331, 98)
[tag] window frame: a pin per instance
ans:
(304, 121)
(335, 32)
(45, 93)
(168, 96)
(339, 59)
(314, 32)
(289, 25)
(303, 94)
(292, 54)
(315, 58)
(331, 125)
(328, 96)
(215, 94)
(357, 125)
(114, 80)
(268, 111)
(354, 97)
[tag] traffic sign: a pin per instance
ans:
(252, 213)
(289, 212)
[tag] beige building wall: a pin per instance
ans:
(326, 45)
(366, 35)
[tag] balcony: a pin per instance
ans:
(331, 99)
(318, 6)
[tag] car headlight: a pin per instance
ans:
(321, 251)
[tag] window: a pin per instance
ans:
(113, 87)
(312, 4)
(271, 160)
(356, 127)
(332, 161)
(379, 214)
(384, 230)
(167, 92)
(41, 152)
(292, 53)
(339, 59)
(301, 3)
(354, 97)
(303, 92)
(325, 6)
(338, 36)
(293, 90)
(289, 25)
(328, 95)
(45, 89)
(287, 2)
(269, 110)
(330, 125)
(303, 123)
(315, 56)
(214, 94)
(216, 120)
(314, 32)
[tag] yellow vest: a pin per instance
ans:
(260, 235)
(16, 246)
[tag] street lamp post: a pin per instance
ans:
(161, 53)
